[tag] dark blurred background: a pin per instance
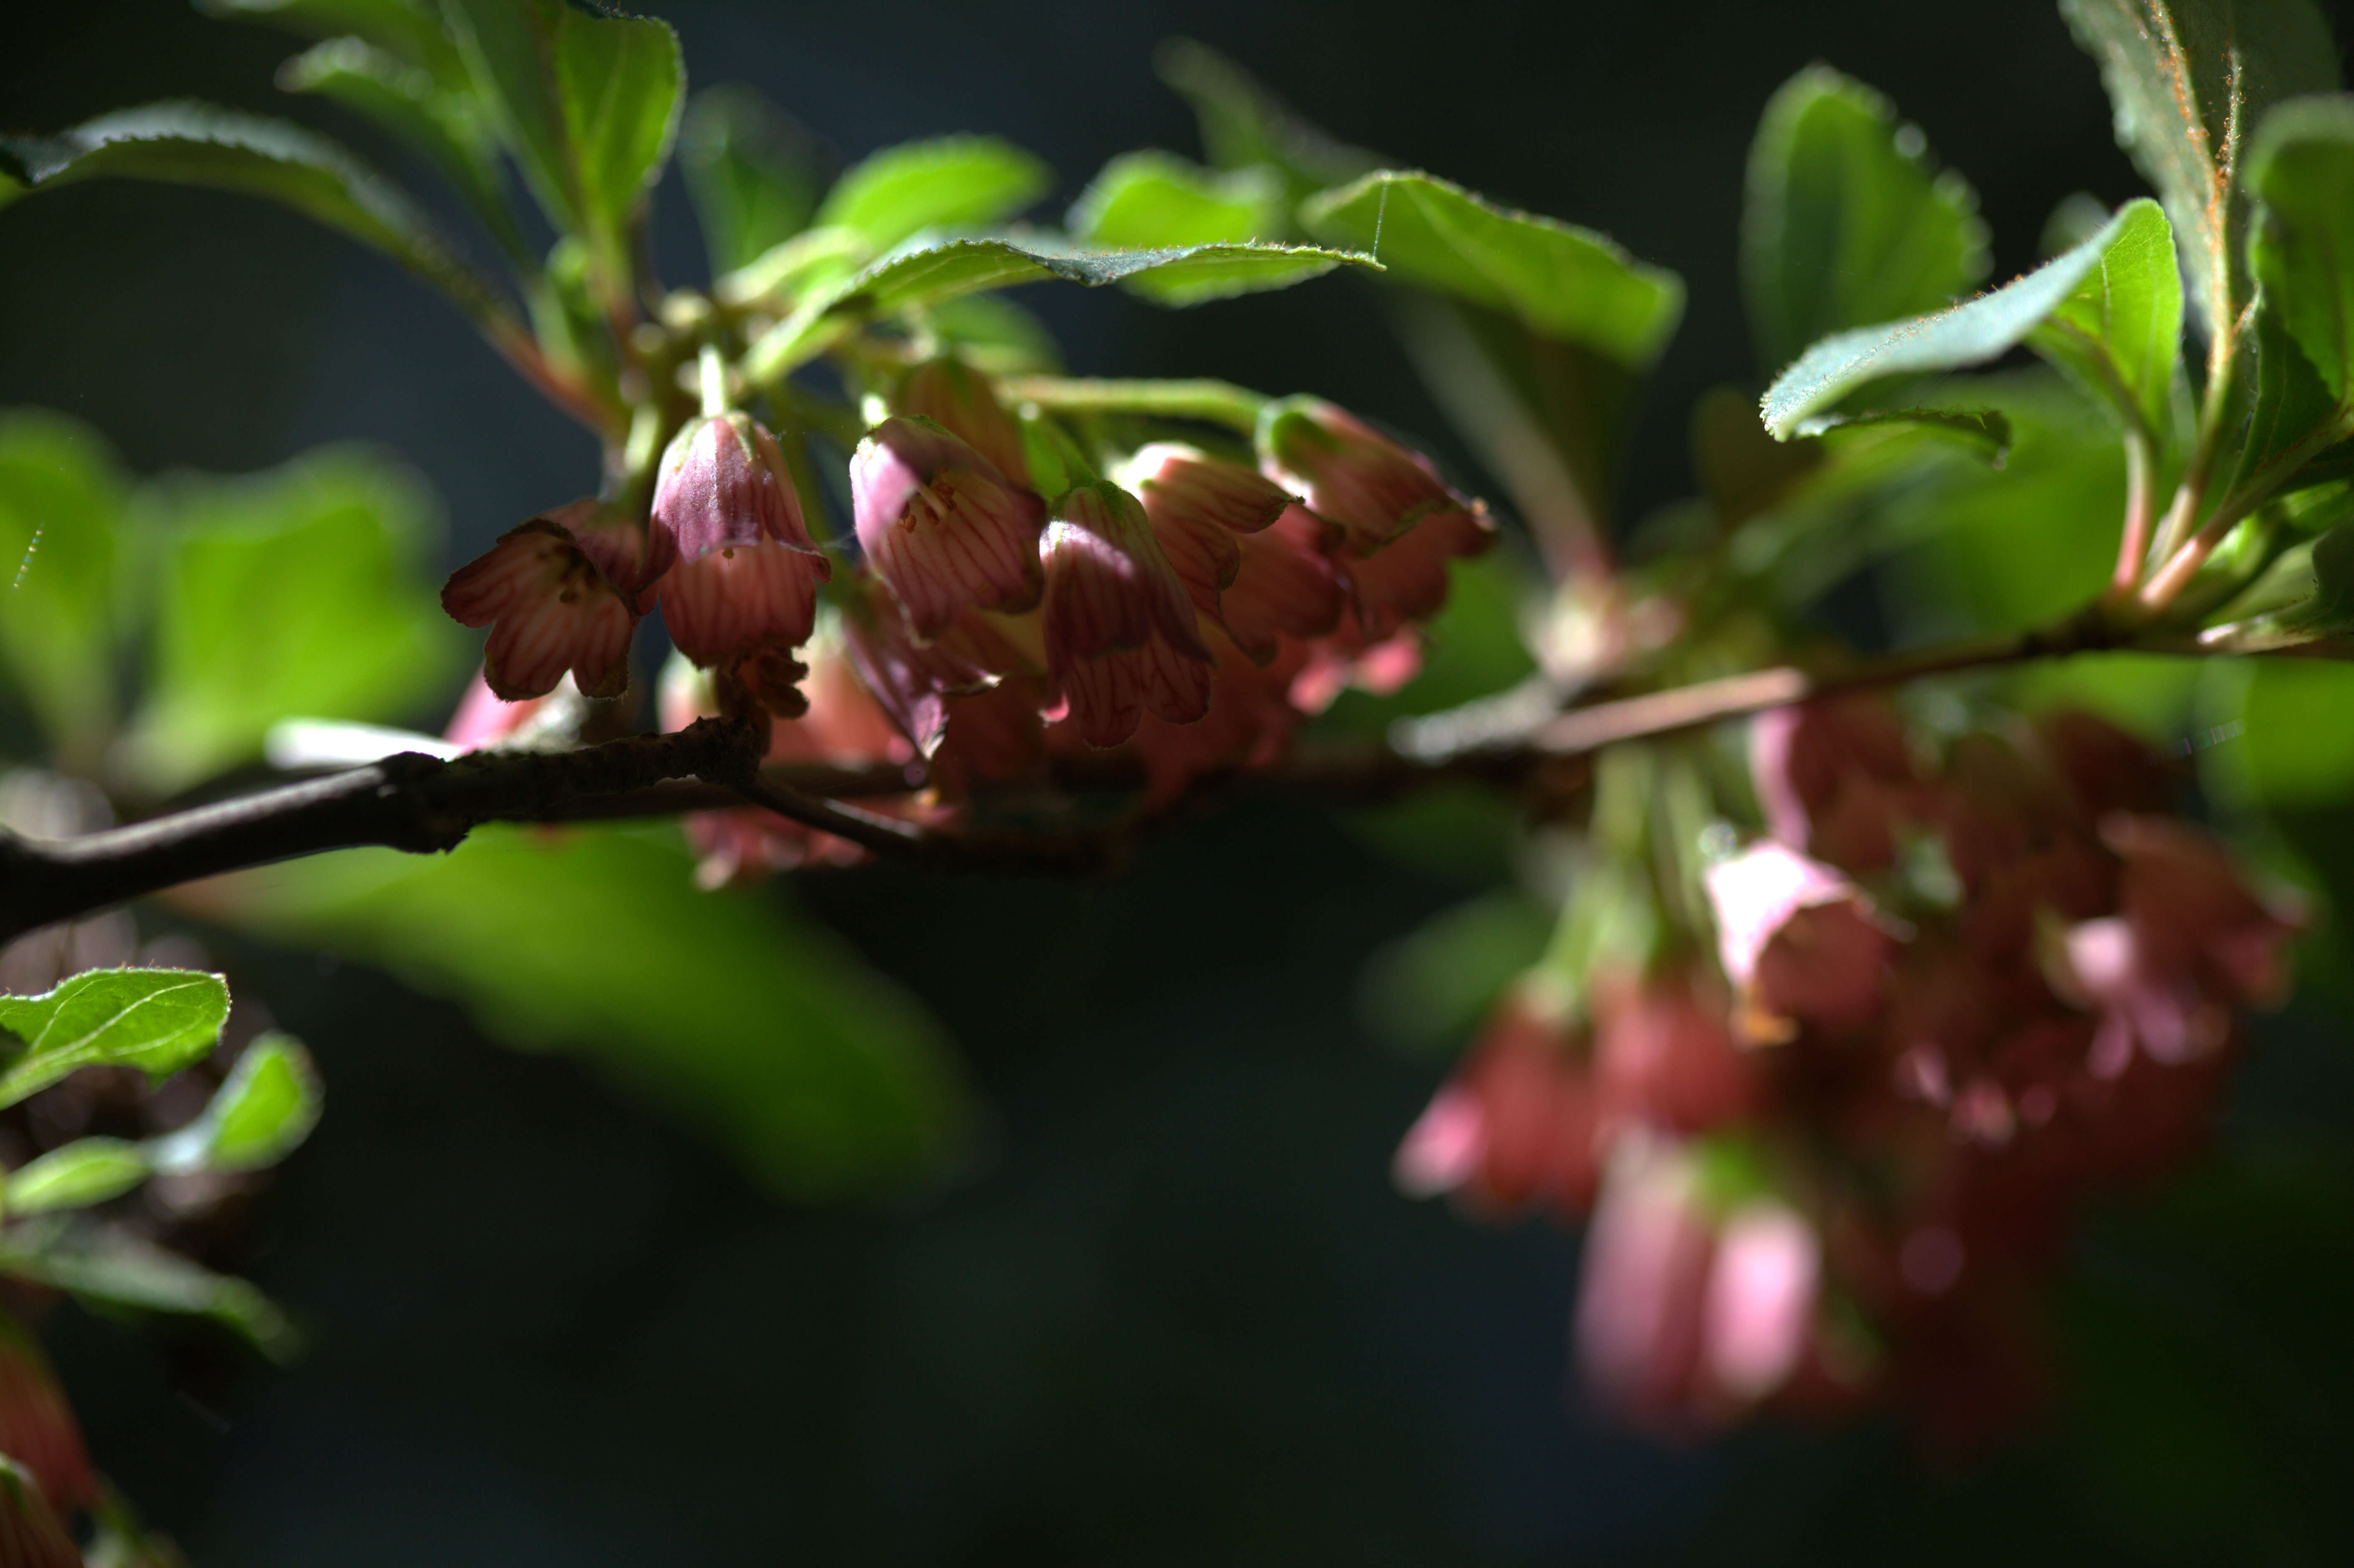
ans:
(1172, 1311)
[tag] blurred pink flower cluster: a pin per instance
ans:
(1836, 1169)
(1185, 605)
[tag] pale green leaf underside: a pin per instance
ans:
(1557, 280)
(157, 1021)
(1972, 333)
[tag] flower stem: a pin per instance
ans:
(1213, 402)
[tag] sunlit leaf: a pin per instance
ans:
(1556, 279)
(2119, 335)
(107, 1267)
(950, 183)
(1244, 125)
(1847, 221)
(2302, 167)
(2173, 69)
(157, 1021)
(751, 172)
(411, 30)
(76, 1175)
(407, 100)
(61, 500)
(815, 1073)
(926, 275)
(261, 1112)
(1993, 323)
(1145, 199)
(198, 145)
(588, 103)
(299, 591)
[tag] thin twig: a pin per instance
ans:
(421, 804)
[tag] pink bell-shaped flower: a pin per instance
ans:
(943, 525)
(745, 574)
(1797, 940)
(960, 400)
(1119, 631)
(1350, 473)
(549, 610)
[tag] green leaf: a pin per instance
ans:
(1988, 430)
(444, 123)
(262, 1111)
(1743, 470)
(1986, 327)
(750, 172)
(819, 1076)
(61, 496)
(1244, 125)
(1976, 551)
(1145, 199)
(104, 1266)
(586, 102)
(2187, 78)
(85, 1171)
(2302, 168)
(925, 276)
(955, 181)
(1556, 279)
(1847, 221)
(295, 593)
(157, 1021)
(197, 144)
(2119, 335)
(1429, 989)
(409, 30)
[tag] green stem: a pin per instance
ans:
(1213, 402)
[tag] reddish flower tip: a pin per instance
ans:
(549, 610)
(1120, 629)
(960, 400)
(943, 525)
(724, 485)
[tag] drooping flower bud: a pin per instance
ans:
(1798, 941)
(745, 585)
(1199, 507)
(1405, 580)
(943, 525)
(37, 1427)
(1119, 631)
(1664, 1058)
(1688, 1314)
(1831, 776)
(1285, 585)
(1516, 1124)
(960, 400)
(549, 610)
(2190, 945)
(724, 485)
(913, 680)
(1350, 473)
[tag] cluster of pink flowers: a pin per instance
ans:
(1189, 607)
(1837, 1167)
